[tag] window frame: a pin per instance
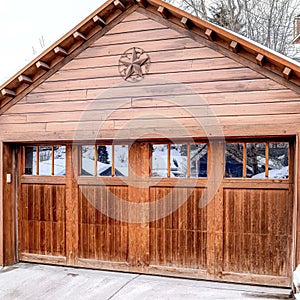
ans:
(95, 175)
(37, 147)
(188, 176)
(267, 142)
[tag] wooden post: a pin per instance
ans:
(1, 207)
(72, 205)
(138, 232)
(296, 212)
(215, 210)
(8, 207)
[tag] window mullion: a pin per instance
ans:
(267, 160)
(244, 160)
(95, 160)
(169, 160)
(37, 160)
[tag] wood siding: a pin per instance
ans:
(196, 81)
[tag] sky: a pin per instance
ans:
(26, 26)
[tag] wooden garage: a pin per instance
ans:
(147, 140)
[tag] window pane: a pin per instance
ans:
(30, 160)
(121, 160)
(256, 160)
(60, 160)
(104, 160)
(198, 160)
(278, 160)
(45, 160)
(179, 160)
(234, 160)
(159, 160)
(87, 160)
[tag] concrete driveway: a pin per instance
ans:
(33, 281)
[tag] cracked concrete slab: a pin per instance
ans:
(33, 281)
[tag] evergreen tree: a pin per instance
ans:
(103, 155)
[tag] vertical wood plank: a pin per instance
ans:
(215, 210)
(71, 205)
(1, 206)
(139, 163)
(9, 206)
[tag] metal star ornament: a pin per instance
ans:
(134, 64)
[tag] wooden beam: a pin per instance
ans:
(142, 3)
(8, 93)
(287, 73)
(99, 20)
(260, 59)
(25, 79)
(234, 46)
(79, 36)
(118, 4)
(163, 11)
(209, 34)
(186, 22)
(1, 210)
(42, 65)
(60, 51)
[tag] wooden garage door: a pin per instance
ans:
(42, 221)
(242, 234)
(42, 206)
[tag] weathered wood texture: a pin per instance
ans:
(101, 237)
(196, 81)
(257, 231)
(41, 217)
(180, 239)
(191, 90)
(8, 209)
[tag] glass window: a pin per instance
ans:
(256, 160)
(234, 160)
(59, 160)
(160, 160)
(88, 160)
(121, 160)
(198, 160)
(178, 162)
(104, 160)
(30, 160)
(45, 160)
(278, 160)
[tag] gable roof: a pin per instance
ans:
(257, 57)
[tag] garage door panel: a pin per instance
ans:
(102, 237)
(179, 239)
(42, 219)
(257, 235)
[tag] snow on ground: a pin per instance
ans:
(274, 174)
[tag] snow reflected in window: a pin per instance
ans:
(256, 160)
(278, 160)
(159, 160)
(104, 160)
(121, 160)
(45, 160)
(198, 161)
(88, 160)
(178, 163)
(59, 160)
